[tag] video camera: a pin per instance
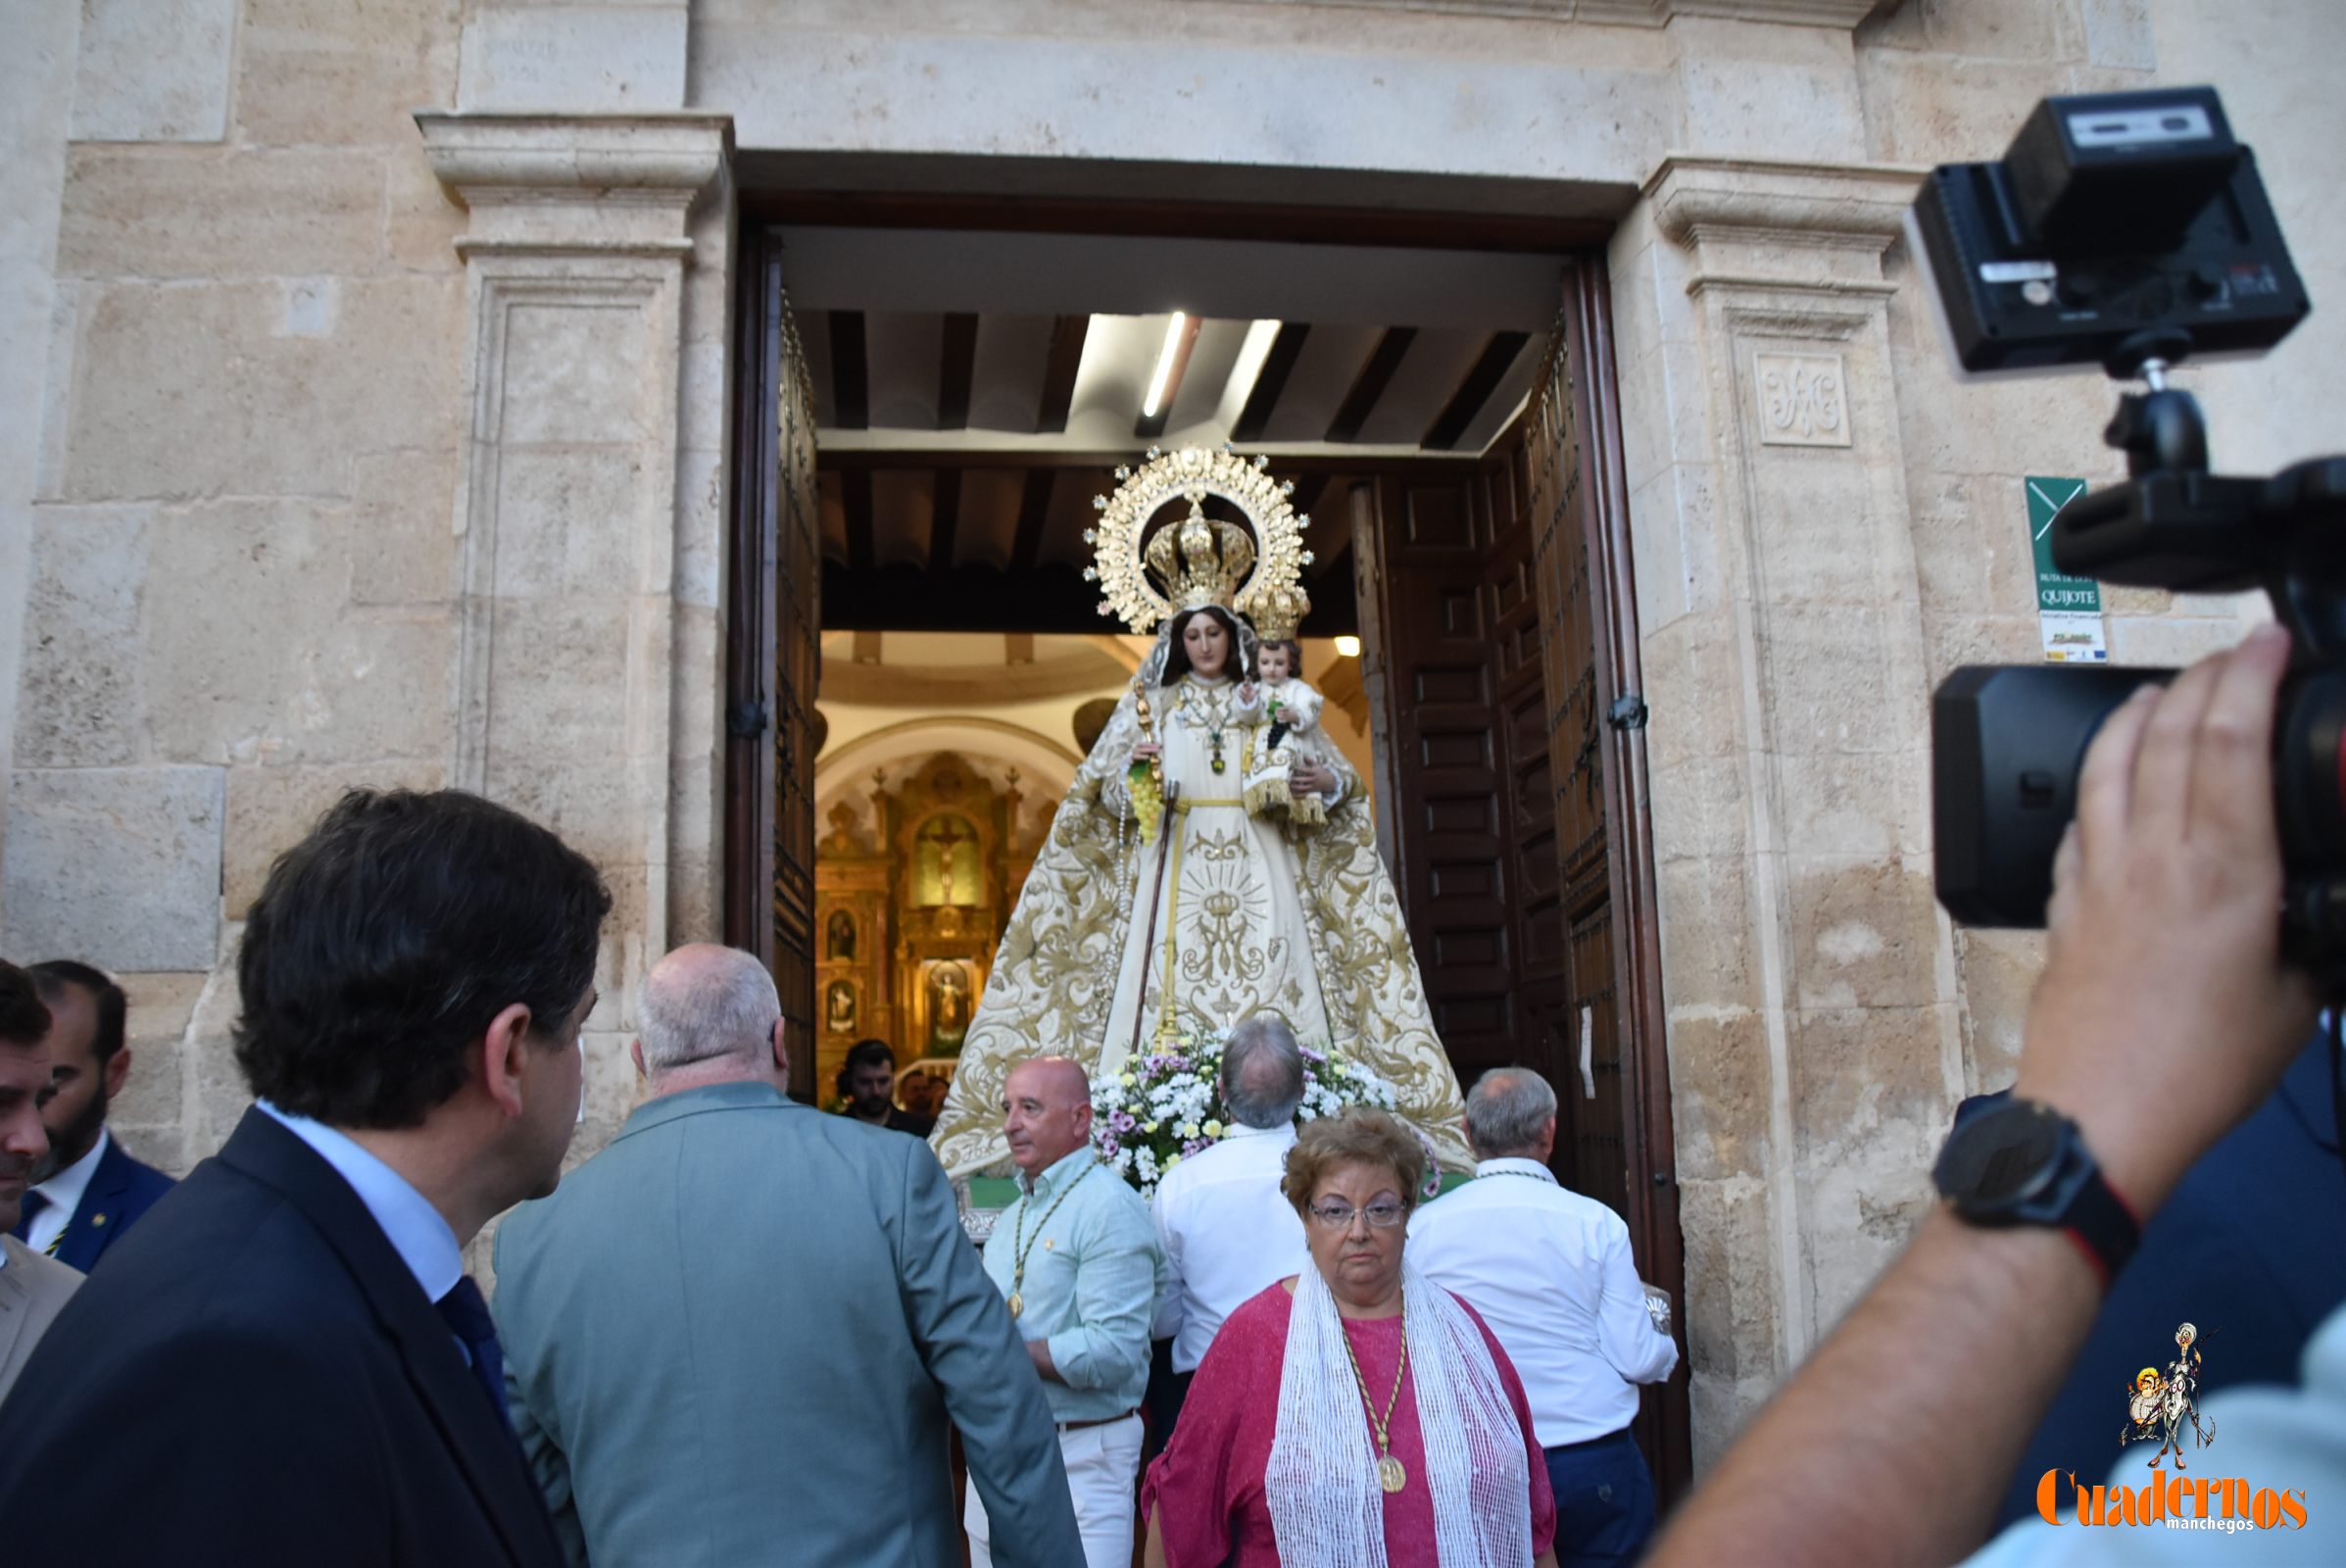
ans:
(2130, 230)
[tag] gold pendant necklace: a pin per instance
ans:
(1213, 700)
(1392, 1474)
(1020, 1247)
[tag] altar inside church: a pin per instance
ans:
(913, 881)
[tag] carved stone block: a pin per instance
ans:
(1803, 399)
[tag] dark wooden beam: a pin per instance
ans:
(959, 371)
(1149, 426)
(854, 495)
(945, 520)
(850, 379)
(1034, 511)
(1277, 366)
(1311, 490)
(1068, 334)
(1294, 466)
(1481, 378)
(1370, 384)
(1283, 221)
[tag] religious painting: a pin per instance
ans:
(839, 1008)
(950, 999)
(838, 943)
(945, 866)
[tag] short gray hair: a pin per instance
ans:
(1507, 1110)
(1262, 1072)
(698, 1005)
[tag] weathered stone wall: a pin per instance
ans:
(245, 433)
(292, 440)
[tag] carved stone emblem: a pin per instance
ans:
(1803, 400)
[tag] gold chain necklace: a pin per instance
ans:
(1391, 1473)
(1020, 1246)
(1214, 701)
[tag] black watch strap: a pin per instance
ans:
(2018, 1162)
(2104, 1228)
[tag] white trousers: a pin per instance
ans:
(1103, 1472)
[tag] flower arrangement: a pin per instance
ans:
(1166, 1106)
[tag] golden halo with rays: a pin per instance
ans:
(1120, 538)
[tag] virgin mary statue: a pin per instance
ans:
(1170, 896)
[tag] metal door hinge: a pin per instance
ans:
(1628, 712)
(745, 719)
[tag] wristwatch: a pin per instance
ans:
(2022, 1163)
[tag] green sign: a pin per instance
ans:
(2057, 593)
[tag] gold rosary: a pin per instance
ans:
(1020, 1246)
(1392, 1475)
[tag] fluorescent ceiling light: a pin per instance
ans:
(1165, 365)
(1246, 371)
(1348, 647)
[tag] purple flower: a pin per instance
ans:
(1107, 1146)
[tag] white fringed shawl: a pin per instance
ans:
(1327, 1508)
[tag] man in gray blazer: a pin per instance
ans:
(738, 1333)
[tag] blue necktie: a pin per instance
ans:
(35, 1203)
(467, 1318)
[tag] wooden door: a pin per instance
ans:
(773, 651)
(1500, 660)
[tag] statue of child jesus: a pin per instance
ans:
(1288, 709)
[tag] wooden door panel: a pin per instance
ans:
(773, 648)
(1501, 603)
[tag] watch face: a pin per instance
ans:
(2004, 1157)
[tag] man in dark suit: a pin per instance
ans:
(92, 1191)
(287, 1364)
(33, 1289)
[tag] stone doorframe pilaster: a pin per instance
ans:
(1814, 1040)
(579, 572)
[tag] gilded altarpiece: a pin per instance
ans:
(911, 896)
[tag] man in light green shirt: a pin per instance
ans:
(1077, 1261)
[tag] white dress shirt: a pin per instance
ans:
(64, 1194)
(1550, 1272)
(414, 1229)
(1228, 1231)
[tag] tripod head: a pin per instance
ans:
(2174, 525)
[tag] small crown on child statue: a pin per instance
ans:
(1278, 611)
(1199, 561)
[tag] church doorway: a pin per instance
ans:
(925, 410)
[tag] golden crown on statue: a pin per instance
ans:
(1277, 611)
(1199, 561)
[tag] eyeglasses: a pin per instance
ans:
(1337, 1214)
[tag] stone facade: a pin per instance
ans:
(311, 404)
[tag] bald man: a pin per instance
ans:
(1078, 1264)
(731, 1325)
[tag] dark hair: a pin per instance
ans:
(1295, 653)
(57, 973)
(386, 942)
(1177, 654)
(24, 1016)
(861, 1053)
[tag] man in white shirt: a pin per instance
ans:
(1228, 1231)
(1550, 1272)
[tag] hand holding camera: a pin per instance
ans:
(2166, 1012)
